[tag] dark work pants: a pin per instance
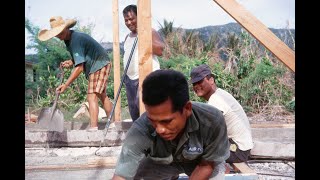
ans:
(239, 155)
(132, 97)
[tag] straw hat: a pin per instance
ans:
(57, 25)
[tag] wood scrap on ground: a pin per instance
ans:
(84, 111)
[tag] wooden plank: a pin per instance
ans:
(116, 58)
(272, 125)
(259, 31)
(144, 44)
(93, 162)
(67, 166)
(243, 168)
(103, 161)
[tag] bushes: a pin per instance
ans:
(253, 76)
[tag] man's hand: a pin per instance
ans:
(61, 88)
(67, 63)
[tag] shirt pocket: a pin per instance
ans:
(192, 152)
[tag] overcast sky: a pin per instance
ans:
(183, 13)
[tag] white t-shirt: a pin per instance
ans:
(238, 126)
(133, 69)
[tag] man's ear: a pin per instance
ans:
(211, 80)
(188, 108)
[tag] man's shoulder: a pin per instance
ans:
(80, 36)
(126, 37)
(207, 117)
(204, 107)
(143, 124)
(205, 112)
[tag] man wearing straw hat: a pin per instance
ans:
(89, 57)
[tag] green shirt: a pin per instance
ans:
(84, 49)
(205, 137)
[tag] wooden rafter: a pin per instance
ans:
(259, 31)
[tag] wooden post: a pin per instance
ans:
(144, 44)
(116, 58)
(259, 31)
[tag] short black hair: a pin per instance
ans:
(129, 8)
(165, 84)
(211, 75)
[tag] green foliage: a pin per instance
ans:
(50, 54)
(254, 78)
(262, 87)
(211, 44)
(291, 105)
(223, 79)
(184, 64)
(166, 28)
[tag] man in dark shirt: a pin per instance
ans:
(174, 135)
(89, 57)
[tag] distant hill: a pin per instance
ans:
(223, 30)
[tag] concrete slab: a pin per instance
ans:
(82, 163)
(280, 141)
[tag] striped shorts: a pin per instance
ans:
(98, 80)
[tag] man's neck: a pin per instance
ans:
(212, 91)
(133, 34)
(68, 36)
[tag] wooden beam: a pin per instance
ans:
(144, 44)
(272, 125)
(243, 168)
(67, 166)
(93, 162)
(116, 58)
(259, 31)
(109, 161)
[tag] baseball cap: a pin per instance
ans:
(199, 72)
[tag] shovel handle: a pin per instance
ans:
(58, 93)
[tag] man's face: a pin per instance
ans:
(62, 35)
(204, 87)
(168, 124)
(130, 20)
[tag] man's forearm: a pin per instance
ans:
(157, 43)
(75, 73)
(202, 172)
(116, 177)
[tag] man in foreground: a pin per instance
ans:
(239, 130)
(174, 135)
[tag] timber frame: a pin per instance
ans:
(256, 28)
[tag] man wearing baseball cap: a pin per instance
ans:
(238, 127)
(89, 57)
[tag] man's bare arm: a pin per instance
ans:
(157, 43)
(75, 73)
(203, 171)
(116, 177)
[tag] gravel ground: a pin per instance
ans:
(273, 170)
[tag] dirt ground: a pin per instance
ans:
(272, 170)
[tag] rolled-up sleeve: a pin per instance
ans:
(217, 143)
(132, 152)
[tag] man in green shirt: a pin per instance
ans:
(174, 135)
(89, 57)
